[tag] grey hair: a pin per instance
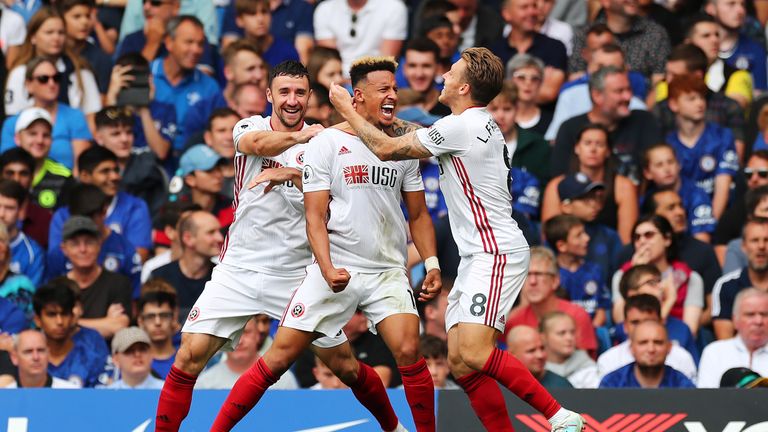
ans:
(521, 61)
(545, 253)
(743, 295)
(17, 337)
(173, 24)
(597, 79)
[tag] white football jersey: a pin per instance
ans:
(471, 152)
(269, 231)
(366, 227)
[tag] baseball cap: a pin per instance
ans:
(741, 377)
(128, 336)
(78, 225)
(31, 115)
(577, 185)
(199, 157)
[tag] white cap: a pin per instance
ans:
(31, 115)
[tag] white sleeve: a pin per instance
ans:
(695, 294)
(707, 366)
(412, 181)
(397, 27)
(17, 29)
(250, 124)
(294, 156)
(447, 136)
(615, 280)
(90, 102)
(322, 22)
(16, 96)
(318, 164)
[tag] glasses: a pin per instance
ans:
(650, 282)
(761, 172)
(162, 316)
(520, 76)
(645, 235)
(44, 79)
(352, 31)
(537, 274)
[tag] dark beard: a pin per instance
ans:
(650, 371)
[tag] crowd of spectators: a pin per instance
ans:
(639, 175)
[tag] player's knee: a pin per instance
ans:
(188, 361)
(474, 359)
(345, 370)
(407, 353)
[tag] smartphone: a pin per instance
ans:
(137, 93)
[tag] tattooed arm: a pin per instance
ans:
(404, 145)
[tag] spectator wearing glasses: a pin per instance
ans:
(655, 244)
(538, 294)
(68, 135)
(360, 28)
(754, 274)
(157, 315)
(527, 72)
(755, 174)
(46, 37)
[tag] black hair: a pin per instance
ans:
(156, 297)
(424, 44)
(220, 113)
(643, 303)
(171, 212)
(12, 189)
(93, 156)
(54, 293)
(665, 228)
(361, 68)
(321, 93)
(17, 155)
(87, 200)
(132, 59)
(290, 68)
(64, 6)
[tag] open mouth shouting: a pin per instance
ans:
(388, 111)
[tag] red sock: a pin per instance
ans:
(369, 390)
(175, 399)
(487, 401)
(420, 392)
(506, 369)
(248, 389)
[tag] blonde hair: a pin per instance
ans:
(484, 74)
(364, 65)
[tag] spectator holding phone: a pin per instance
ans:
(155, 123)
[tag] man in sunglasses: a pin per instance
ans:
(755, 174)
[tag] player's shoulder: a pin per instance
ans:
(252, 123)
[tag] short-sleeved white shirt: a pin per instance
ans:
(471, 152)
(13, 29)
(378, 20)
(269, 231)
(17, 98)
(366, 227)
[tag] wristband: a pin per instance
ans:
(431, 263)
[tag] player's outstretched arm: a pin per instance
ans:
(272, 143)
(423, 234)
(316, 208)
(277, 176)
(384, 147)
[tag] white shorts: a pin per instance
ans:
(316, 308)
(234, 295)
(485, 289)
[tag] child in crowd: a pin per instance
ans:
(255, 17)
(581, 279)
(706, 151)
(661, 170)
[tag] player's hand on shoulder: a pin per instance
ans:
(337, 278)
(307, 134)
(432, 285)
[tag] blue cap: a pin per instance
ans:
(198, 157)
(577, 185)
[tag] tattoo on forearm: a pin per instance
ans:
(402, 127)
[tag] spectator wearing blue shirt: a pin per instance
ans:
(116, 253)
(650, 346)
(12, 319)
(662, 181)
(291, 20)
(30, 356)
(79, 25)
(645, 279)
(69, 358)
(736, 48)
(176, 77)
(126, 214)
(706, 151)
(154, 125)
(158, 316)
(255, 17)
(243, 64)
(27, 257)
(581, 279)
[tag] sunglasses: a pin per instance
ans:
(352, 31)
(761, 172)
(44, 79)
(646, 235)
